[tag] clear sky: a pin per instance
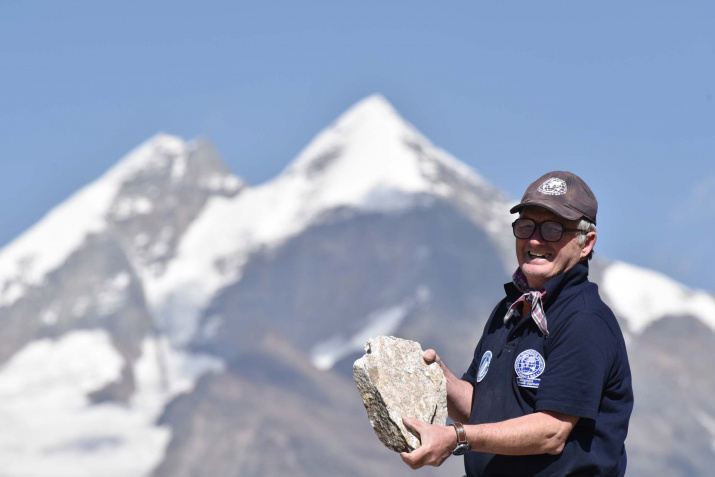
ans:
(622, 93)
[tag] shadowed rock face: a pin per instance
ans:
(440, 263)
(327, 281)
(150, 237)
(273, 414)
(394, 381)
(670, 432)
(99, 285)
(96, 287)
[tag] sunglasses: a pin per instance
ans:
(551, 231)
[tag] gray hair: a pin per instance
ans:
(587, 227)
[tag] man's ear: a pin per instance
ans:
(588, 244)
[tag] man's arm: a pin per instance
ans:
(543, 432)
(459, 392)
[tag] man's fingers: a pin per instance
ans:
(409, 460)
(413, 424)
(432, 451)
(413, 459)
(430, 356)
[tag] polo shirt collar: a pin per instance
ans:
(570, 278)
(562, 283)
(552, 290)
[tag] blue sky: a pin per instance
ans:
(622, 93)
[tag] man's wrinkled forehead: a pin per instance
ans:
(541, 214)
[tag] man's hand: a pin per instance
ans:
(437, 443)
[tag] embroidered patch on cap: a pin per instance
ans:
(528, 366)
(553, 186)
(484, 365)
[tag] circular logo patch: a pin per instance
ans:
(553, 186)
(528, 366)
(484, 365)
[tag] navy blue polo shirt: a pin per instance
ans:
(581, 369)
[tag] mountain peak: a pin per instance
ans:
(367, 110)
(368, 151)
(153, 153)
(370, 158)
(46, 245)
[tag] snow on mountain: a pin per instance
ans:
(176, 247)
(369, 160)
(642, 296)
(45, 246)
(86, 400)
(50, 425)
(81, 362)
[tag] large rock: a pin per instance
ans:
(395, 381)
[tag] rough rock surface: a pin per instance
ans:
(394, 380)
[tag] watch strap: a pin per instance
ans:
(461, 433)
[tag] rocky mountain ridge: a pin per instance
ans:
(209, 327)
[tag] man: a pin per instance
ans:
(549, 389)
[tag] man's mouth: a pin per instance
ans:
(539, 255)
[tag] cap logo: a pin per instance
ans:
(553, 186)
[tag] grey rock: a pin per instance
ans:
(394, 381)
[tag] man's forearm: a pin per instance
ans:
(542, 432)
(538, 433)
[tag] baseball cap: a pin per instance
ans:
(563, 193)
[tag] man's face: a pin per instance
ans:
(541, 260)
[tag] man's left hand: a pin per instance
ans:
(437, 444)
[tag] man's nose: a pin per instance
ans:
(536, 236)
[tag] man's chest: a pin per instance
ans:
(510, 365)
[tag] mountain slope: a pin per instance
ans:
(77, 282)
(644, 296)
(669, 329)
(168, 318)
(369, 161)
(276, 416)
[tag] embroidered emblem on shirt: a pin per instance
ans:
(528, 366)
(484, 365)
(553, 186)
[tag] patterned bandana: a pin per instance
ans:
(530, 296)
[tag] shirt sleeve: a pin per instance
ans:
(580, 356)
(471, 375)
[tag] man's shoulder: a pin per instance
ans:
(585, 307)
(594, 305)
(587, 298)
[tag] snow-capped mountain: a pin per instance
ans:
(370, 161)
(169, 319)
(86, 372)
(644, 296)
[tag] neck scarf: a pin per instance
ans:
(533, 297)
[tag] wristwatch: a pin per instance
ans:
(462, 443)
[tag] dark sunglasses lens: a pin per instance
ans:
(524, 228)
(552, 231)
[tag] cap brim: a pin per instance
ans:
(558, 209)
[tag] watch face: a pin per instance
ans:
(461, 449)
